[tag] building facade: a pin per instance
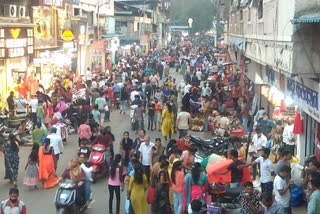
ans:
(274, 48)
(142, 23)
(16, 45)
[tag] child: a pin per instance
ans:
(32, 174)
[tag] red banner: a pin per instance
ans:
(98, 46)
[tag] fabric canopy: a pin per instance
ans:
(310, 18)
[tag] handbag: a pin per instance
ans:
(150, 195)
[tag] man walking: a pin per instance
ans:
(145, 155)
(183, 122)
(57, 144)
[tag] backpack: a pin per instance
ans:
(4, 204)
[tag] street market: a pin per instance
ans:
(164, 119)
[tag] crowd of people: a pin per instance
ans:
(162, 171)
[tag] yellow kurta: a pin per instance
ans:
(138, 195)
(167, 123)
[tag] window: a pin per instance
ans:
(249, 14)
(241, 14)
(76, 11)
(118, 26)
(260, 9)
(124, 24)
(90, 18)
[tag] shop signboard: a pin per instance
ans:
(98, 46)
(16, 42)
(305, 95)
(48, 3)
(67, 35)
(45, 28)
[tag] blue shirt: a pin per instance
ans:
(101, 102)
(166, 92)
(266, 126)
(96, 115)
(201, 181)
(116, 88)
(274, 209)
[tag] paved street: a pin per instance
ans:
(42, 201)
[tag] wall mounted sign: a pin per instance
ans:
(305, 95)
(45, 28)
(16, 42)
(67, 35)
(48, 3)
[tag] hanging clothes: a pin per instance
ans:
(298, 122)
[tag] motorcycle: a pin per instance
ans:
(229, 201)
(16, 120)
(218, 145)
(98, 161)
(65, 199)
(85, 147)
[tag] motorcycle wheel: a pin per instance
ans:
(61, 211)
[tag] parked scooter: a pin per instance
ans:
(98, 161)
(65, 199)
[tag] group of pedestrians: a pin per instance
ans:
(161, 171)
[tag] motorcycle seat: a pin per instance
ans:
(233, 192)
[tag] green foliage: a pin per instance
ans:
(201, 11)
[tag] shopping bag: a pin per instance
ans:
(150, 195)
(127, 206)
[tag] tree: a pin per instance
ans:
(201, 11)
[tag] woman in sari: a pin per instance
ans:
(47, 173)
(167, 122)
(11, 156)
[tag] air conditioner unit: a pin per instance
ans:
(10, 10)
(22, 11)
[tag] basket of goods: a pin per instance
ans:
(197, 124)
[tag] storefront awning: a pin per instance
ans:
(309, 18)
(110, 36)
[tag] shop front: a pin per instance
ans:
(16, 51)
(305, 93)
(53, 64)
(298, 99)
